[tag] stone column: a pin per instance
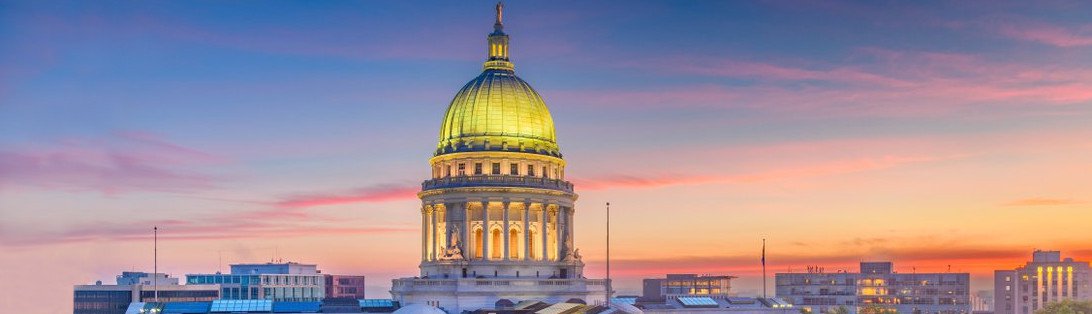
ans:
(504, 231)
(526, 230)
(424, 234)
(466, 231)
(562, 231)
(485, 230)
(432, 232)
(545, 240)
(570, 213)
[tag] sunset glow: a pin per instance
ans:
(934, 135)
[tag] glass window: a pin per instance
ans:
(513, 169)
(448, 171)
(544, 173)
(462, 169)
(530, 170)
(496, 168)
(478, 168)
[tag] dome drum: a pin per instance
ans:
(498, 181)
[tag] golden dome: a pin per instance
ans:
(498, 111)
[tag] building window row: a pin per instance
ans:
(530, 169)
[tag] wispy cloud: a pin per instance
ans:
(1053, 35)
(924, 258)
(872, 82)
(772, 174)
(185, 230)
(378, 193)
(1042, 201)
(121, 162)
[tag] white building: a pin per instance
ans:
(1046, 278)
(267, 281)
(497, 214)
(876, 285)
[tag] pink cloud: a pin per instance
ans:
(379, 193)
(891, 83)
(771, 174)
(1049, 34)
(119, 163)
(220, 228)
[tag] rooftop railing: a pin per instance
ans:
(497, 181)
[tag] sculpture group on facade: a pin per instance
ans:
(453, 250)
(571, 254)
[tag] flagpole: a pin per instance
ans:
(763, 268)
(155, 262)
(608, 256)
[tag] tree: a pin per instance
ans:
(1066, 307)
(841, 309)
(877, 309)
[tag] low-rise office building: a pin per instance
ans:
(142, 278)
(1046, 278)
(270, 281)
(115, 299)
(679, 285)
(345, 286)
(876, 285)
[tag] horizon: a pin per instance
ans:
(925, 134)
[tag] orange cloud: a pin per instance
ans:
(1041, 201)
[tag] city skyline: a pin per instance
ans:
(937, 136)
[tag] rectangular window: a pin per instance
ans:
(513, 169)
(478, 168)
(448, 172)
(462, 169)
(496, 168)
(530, 170)
(544, 173)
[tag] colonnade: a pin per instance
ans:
(505, 230)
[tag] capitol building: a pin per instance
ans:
(497, 214)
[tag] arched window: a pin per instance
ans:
(513, 244)
(478, 243)
(497, 244)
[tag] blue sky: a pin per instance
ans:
(773, 119)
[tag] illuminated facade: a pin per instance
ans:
(1047, 278)
(497, 214)
(876, 285)
(115, 299)
(268, 281)
(685, 285)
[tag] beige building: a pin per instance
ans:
(1046, 278)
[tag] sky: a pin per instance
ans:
(937, 135)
